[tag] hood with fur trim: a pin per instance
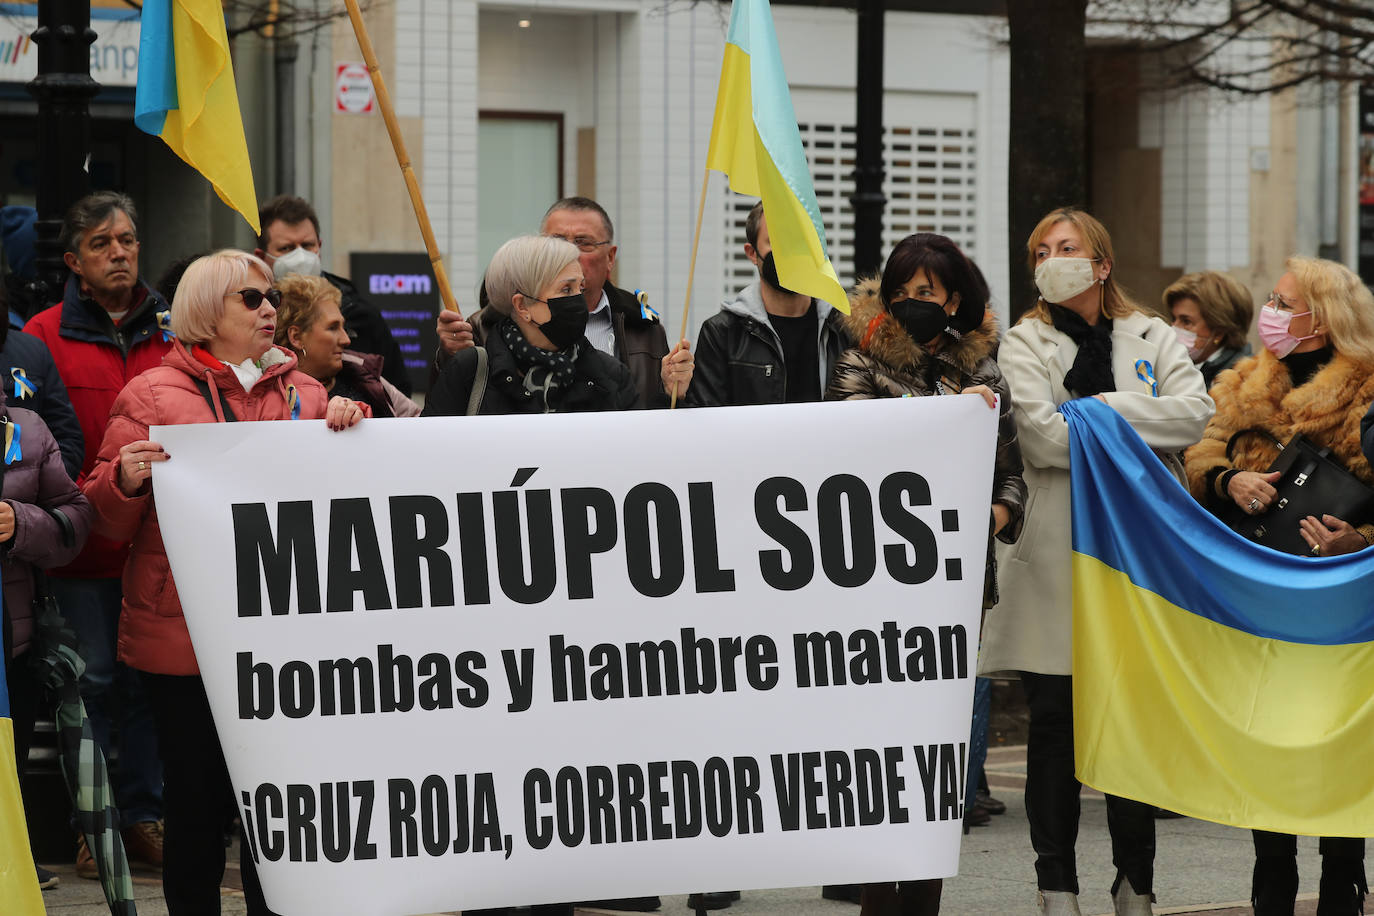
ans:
(876, 333)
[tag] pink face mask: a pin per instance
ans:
(1273, 330)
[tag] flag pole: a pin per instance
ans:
(691, 269)
(402, 157)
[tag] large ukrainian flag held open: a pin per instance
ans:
(755, 141)
(18, 881)
(1212, 677)
(186, 95)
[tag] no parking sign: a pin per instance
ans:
(352, 89)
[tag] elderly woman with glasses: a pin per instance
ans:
(222, 367)
(1315, 377)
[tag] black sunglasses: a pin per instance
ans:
(252, 298)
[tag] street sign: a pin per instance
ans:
(352, 89)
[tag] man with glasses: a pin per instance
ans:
(618, 324)
(109, 327)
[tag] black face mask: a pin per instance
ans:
(567, 320)
(923, 320)
(769, 271)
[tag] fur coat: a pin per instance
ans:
(1259, 392)
(887, 363)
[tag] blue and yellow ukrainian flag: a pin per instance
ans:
(1212, 676)
(18, 881)
(756, 143)
(186, 95)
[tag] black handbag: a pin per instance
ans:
(1313, 483)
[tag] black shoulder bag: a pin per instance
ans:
(1313, 483)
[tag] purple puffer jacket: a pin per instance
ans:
(33, 485)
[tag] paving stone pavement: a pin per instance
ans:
(1200, 868)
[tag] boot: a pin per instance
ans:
(1126, 902)
(1058, 903)
(1343, 887)
(1274, 889)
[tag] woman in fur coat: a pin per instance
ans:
(925, 329)
(1315, 376)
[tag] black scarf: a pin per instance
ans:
(1092, 367)
(545, 371)
(1302, 366)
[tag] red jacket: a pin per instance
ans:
(152, 631)
(96, 359)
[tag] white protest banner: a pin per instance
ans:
(486, 661)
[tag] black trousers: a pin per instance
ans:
(198, 801)
(1052, 798)
(24, 702)
(1275, 884)
(902, 898)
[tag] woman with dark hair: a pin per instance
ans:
(1084, 338)
(924, 330)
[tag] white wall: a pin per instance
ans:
(645, 74)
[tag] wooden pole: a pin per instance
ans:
(402, 157)
(691, 269)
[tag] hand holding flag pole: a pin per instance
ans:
(393, 128)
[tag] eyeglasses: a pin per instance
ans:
(583, 243)
(252, 298)
(1282, 304)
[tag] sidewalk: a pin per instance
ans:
(1200, 868)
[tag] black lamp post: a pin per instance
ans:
(868, 199)
(63, 89)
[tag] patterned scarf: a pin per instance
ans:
(545, 371)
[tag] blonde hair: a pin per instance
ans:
(1340, 303)
(1116, 302)
(301, 297)
(526, 264)
(199, 302)
(1225, 304)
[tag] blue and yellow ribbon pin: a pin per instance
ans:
(646, 311)
(293, 400)
(164, 322)
(13, 453)
(1146, 373)
(23, 388)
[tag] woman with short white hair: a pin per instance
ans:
(536, 358)
(222, 367)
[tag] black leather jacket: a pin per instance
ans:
(739, 356)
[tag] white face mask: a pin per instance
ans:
(1060, 279)
(297, 261)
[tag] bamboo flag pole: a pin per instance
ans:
(691, 270)
(402, 157)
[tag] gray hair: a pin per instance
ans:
(92, 210)
(526, 264)
(581, 205)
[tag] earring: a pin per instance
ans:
(303, 353)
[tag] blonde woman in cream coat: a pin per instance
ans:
(1084, 338)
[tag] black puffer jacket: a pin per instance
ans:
(739, 356)
(889, 364)
(602, 383)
